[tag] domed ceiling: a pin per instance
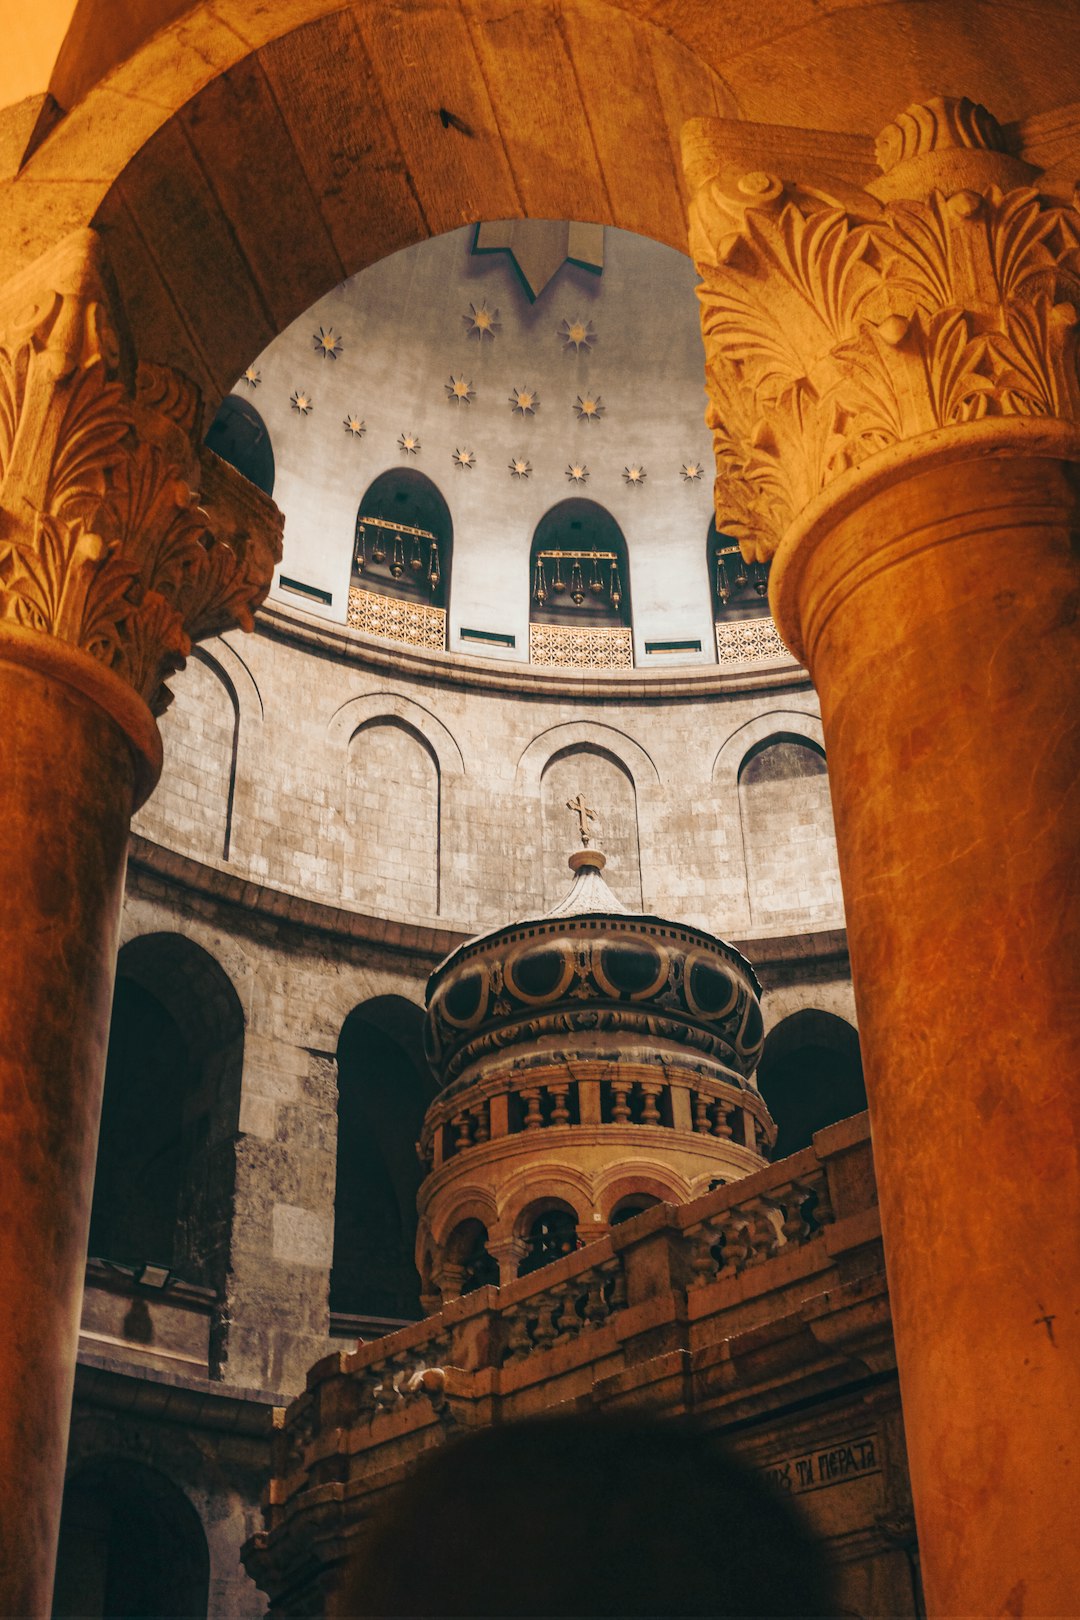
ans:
(516, 365)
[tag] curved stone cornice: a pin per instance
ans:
(842, 322)
(106, 543)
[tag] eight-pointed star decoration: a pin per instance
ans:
(458, 391)
(590, 408)
(524, 401)
(520, 467)
(577, 472)
(409, 443)
(691, 471)
(251, 377)
(329, 343)
(577, 334)
(634, 474)
(301, 401)
(464, 458)
(481, 323)
(355, 426)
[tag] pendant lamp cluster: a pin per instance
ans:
(399, 547)
(575, 577)
(734, 573)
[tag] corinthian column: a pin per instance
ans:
(109, 569)
(891, 354)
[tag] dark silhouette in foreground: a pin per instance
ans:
(587, 1516)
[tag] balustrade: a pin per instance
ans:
(751, 1230)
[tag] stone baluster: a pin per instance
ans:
(546, 1306)
(650, 1107)
(701, 1114)
(534, 1119)
(518, 1338)
(570, 1292)
(721, 1126)
(482, 1127)
(462, 1125)
(620, 1106)
(558, 1091)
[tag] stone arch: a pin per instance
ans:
(356, 712)
(384, 1088)
(640, 1176)
(733, 751)
(201, 736)
(131, 1542)
(525, 1193)
(789, 843)
(470, 1204)
(393, 820)
(609, 787)
(404, 495)
(166, 1152)
(810, 1076)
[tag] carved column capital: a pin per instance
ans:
(848, 315)
(119, 537)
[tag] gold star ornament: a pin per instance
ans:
(251, 377)
(481, 323)
(524, 401)
(328, 343)
(577, 472)
(577, 334)
(590, 409)
(355, 427)
(691, 471)
(464, 458)
(301, 401)
(409, 443)
(634, 474)
(519, 467)
(458, 391)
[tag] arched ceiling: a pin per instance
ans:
(245, 158)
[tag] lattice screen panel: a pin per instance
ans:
(414, 622)
(750, 641)
(568, 647)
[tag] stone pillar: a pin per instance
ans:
(108, 569)
(895, 402)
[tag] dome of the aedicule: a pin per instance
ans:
(632, 977)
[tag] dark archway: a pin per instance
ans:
(810, 1076)
(466, 1247)
(404, 539)
(239, 436)
(384, 1087)
(549, 1235)
(739, 589)
(578, 569)
(164, 1177)
(131, 1544)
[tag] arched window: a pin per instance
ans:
(549, 1235)
(401, 560)
(810, 1076)
(131, 1543)
(466, 1248)
(739, 589)
(165, 1165)
(579, 589)
(633, 1204)
(384, 1087)
(792, 872)
(607, 784)
(239, 436)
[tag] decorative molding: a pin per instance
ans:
(301, 401)
(523, 401)
(577, 472)
(520, 467)
(410, 443)
(750, 642)
(459, 391)
(574, 648)
(838, 326)
(252, 376)
(105, 541)
(463, 458)
(691, 471)
(590, 408)
(328, 343)
(634, 475)
(354, 425)
(577, 334)
(397, 619)
(481, 323)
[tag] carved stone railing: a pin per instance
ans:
(750, 641)
(397, 619)
(571, 647)
(732, 1306)
(509, 1104)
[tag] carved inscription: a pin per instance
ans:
(833, 1465)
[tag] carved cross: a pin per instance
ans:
(586, 818)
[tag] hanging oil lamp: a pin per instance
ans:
(359, 548)
(416, 562)
(378, 549)
(596, 583)
(615, 587)
(434, 575)
(540, 585)
(397, 564)
(761, 578)
(558, 584)
(742, 578)
(577, 584)
(723, 589)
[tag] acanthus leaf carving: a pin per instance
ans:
(834, 331)
(103, 541)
